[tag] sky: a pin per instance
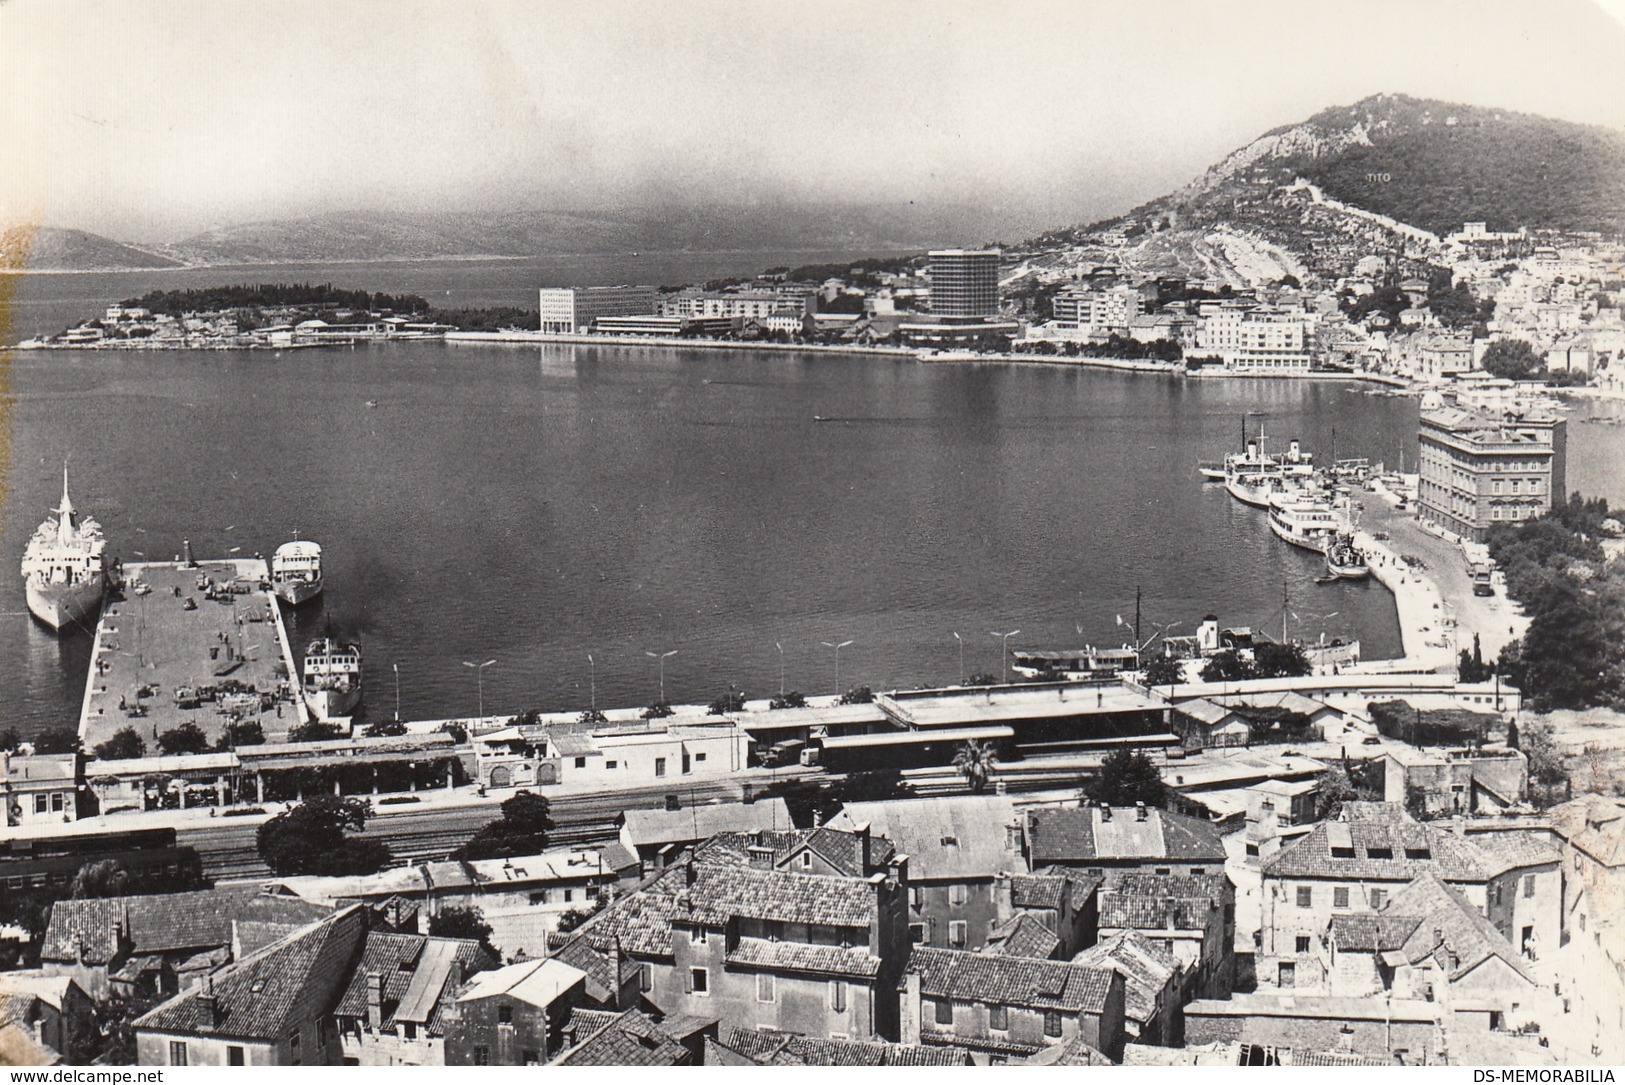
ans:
(149, 120)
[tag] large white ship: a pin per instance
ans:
(1309, 524)
(332, 679)
(65, 567)
(296, 571)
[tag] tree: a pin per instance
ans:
(1513, 359)
(112, 1037)
(572, 918)
(1539, 745)
(124, 745)
(1127, 777)
(459, 922)
(731, 701)
(183, 738)
(975, 761)
(1335, 789)
(458, 733)
(522, 830)
(9, 739)
(315, 731)
(592, 717)
(858, 695)
(1226, 666)
(242, 733)
(103, 878)
(1272, 660)
(56, 740)
(793, 699)
(1163, 672)
(1471, 667)
(657, 711)
(310, 839)
(982, 678)
(384, 729)
(1512, 734)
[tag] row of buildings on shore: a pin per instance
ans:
(967, 929)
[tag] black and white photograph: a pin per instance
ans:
(750, 533)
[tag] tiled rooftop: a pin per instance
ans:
(786, 1049)
(1072, 835)
(170, 922)
(1012, 981)
(1023, 935)
(1379, 841)
(630, 1039)
(952, 838)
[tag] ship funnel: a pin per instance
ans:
(1207, 634)
(1294, 451)
(1252, 450)
(186, 549)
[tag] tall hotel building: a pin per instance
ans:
(965, 283)
(571, 309)
(1479, 470)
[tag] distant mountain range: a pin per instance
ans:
(1372, 177)
(371, 235)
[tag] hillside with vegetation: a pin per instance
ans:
(1387, 175)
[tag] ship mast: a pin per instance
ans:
(65, 519)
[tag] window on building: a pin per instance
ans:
(1340, 897)
(957, 894)
(581, 762)
(504, 1015)
(944, 1012)
(699, 981)
(611, 764)
(56, 802)
(998, 1018)
(837, 995)
(1378, 898)
(1162, 870)
(957, 933)
(696, 935)
(699, 757)
(1528, 885)
(482, 1055)
(916, 933)
(41, 804)
(806, 860)
(234, 1055)
(409, 1030)
(646, 978)
(660, 766)
(1301, 944)
(293, 1042)
(1306, 896)
(177, 1052)
(1052, 1022)
(532, 1058)
(915, 895)
(1198, 872)
(765, 991)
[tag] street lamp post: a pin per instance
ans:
(837, 648)
(961, 641)
(780, 647)
(592, 681)
(1005, 637)
(662, 657)
(397, 669)
(479, 681)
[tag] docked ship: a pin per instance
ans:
(1308, 524)
(1345, 560)
(296, 571)
(332, 679)
(65, 567)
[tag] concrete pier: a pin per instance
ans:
(191, 642)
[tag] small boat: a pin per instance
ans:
(296, 571)
(1344, 560)
(1310, 525)
(332, 679)
(1329, 578)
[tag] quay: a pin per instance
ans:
(191, 642)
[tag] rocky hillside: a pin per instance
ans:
(1386, 174)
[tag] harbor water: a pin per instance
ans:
(537, 505)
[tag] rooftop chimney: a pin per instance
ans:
(862, 833)
(1139, 811)
(375, 999)
(1105, 812)
(207, 1000)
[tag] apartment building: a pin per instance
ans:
(1478, 470)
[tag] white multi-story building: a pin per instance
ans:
(573, 309)
(1261, 338)
(1111, 310)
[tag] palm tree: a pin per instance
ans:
(975, 761)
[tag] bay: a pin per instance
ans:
(534, 505)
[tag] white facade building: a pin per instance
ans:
(572, 310)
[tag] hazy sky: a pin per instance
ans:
(150, 119)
